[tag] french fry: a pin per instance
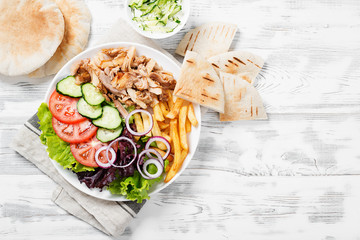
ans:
(166, 131)
(172, 151)
(158, 113)
(146, 123)
(184, 153)
(139, 124)
(157, 132)
(164, 108)
(170, 171)
(170, 100)
(163, 125)
(162, 153)
(191, 115)
(182, 127)
(168, 167)
(167, 137)
(177, 150)
(188, 125)
(170, 158)
(176, 108)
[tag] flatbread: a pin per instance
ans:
(30, 33)
(244, 63)
(199, 83)
(77, 28)
(208, 40)
(242, 100)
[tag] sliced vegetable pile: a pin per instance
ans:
(156, 15)
(87, 135)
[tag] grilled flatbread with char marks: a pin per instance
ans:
(244, 63)
(208, 39)
(199, 83)
(242, 100)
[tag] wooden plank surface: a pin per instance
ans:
(245, 208)
(295, 176)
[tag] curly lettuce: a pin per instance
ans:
(58, 149)
(135, 188)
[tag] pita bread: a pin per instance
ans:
(208, 40)
(242, 100)
(244, 63)
(199, 83)
(77, 28)
(30, 33)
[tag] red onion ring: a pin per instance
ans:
(117, 140)
(108, 164)
(147, 152)
(160, 139)
(160, 160)
(128, 124)
(159, 167)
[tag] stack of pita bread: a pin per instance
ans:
(37, 37)
(217, 79)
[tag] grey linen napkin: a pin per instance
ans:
(110, 217)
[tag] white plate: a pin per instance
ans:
(183, 16)
(168, 65)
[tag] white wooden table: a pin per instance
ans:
(295, 176)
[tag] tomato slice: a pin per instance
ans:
(63, 108)
(74, 133)
(84, 152)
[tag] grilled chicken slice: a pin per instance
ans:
(126, 66)
(134, 98)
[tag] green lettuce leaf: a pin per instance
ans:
(134, 187)
(58, 149)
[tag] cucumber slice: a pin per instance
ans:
(176, 9)
(148, 8)
(110, 118)
(68, 87)
(86, 110)
(107, 135)
(136, 3)
(91, 94)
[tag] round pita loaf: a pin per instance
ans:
(77, 28)
(30, 33)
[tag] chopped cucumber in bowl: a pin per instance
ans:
(158, 18)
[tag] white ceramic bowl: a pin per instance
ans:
(156, 35)
(168, 65)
